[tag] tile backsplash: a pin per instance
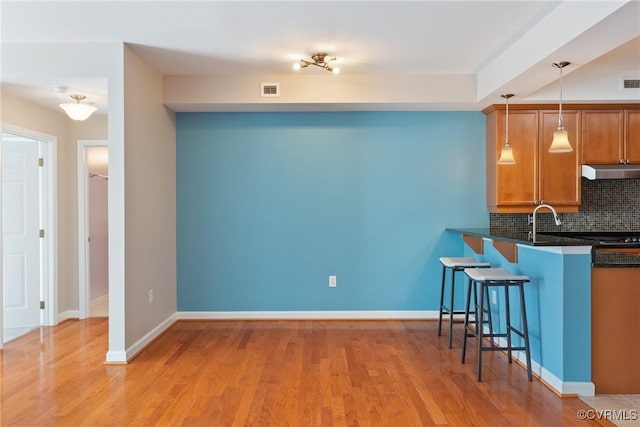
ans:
(607, 205)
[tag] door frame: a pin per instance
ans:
(83, 223)
(48, 219)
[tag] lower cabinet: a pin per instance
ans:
(615, 330)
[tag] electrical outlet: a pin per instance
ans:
(333, 281)
(150, 296)
(494, 296)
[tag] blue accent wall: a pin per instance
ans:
(271, 204)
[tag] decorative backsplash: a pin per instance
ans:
(607, 205)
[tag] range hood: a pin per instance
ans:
(614, 171)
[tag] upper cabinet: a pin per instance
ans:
(610, 136)
(632, 136)
(538, 176)
(560, 173)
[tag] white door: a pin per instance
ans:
(20, 232)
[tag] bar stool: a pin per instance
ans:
(495, 277)
(455, 264)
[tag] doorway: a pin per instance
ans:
(93, 230)
(27, 237)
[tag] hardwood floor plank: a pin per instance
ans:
(278, 373)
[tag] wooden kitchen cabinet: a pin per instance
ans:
(538, 176)
(610, 136)
(632, 136)
(602, 136)
(615, 330)
(560, 173)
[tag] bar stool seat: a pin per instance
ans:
(454, 264)
(495, 277)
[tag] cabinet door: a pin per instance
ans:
(602, 136)
(516, 183)
(559, 182)
(632, 136)
(615, 330)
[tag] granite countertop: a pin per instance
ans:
(522, 237)
(599, 256)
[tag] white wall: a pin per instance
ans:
(150, 200)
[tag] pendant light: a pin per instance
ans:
(506, 155)
(560, 142)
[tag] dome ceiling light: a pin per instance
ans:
(78, 111)
(321, 60)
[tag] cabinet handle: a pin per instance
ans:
(628, 161)
(621, 161)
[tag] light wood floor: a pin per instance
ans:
(261, 373)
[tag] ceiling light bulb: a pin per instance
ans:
(321, 60)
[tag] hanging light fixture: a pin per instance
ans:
(506, 154)
(560, 142)
(321, 60)
(78, 111)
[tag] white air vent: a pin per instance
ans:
(269, 89)
(630, 83)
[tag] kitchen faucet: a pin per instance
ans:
(555, 217)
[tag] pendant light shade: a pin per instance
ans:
(77, 111)
(560, 142)
(506, 157)
(506, 154)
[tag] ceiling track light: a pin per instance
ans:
(560, 142)
(78, 111)
(506, 154)
(321, 60)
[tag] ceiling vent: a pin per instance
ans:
(630, 83)
(269, 89)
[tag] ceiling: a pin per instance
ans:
(504, 46)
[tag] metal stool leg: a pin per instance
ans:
(444, 274)
(525, 331)
(488, 310)
(479, 332)
(508, 316)
(451, 305)
(466, 318)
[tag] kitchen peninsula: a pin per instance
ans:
(564, 352)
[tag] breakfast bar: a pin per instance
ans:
(558, 301)
(583, 306)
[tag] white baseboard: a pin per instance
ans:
(123, 357)
(116, 357)
(559, 386)
(294, 315)
(69, 314)
(132, 351)
(99, 300)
